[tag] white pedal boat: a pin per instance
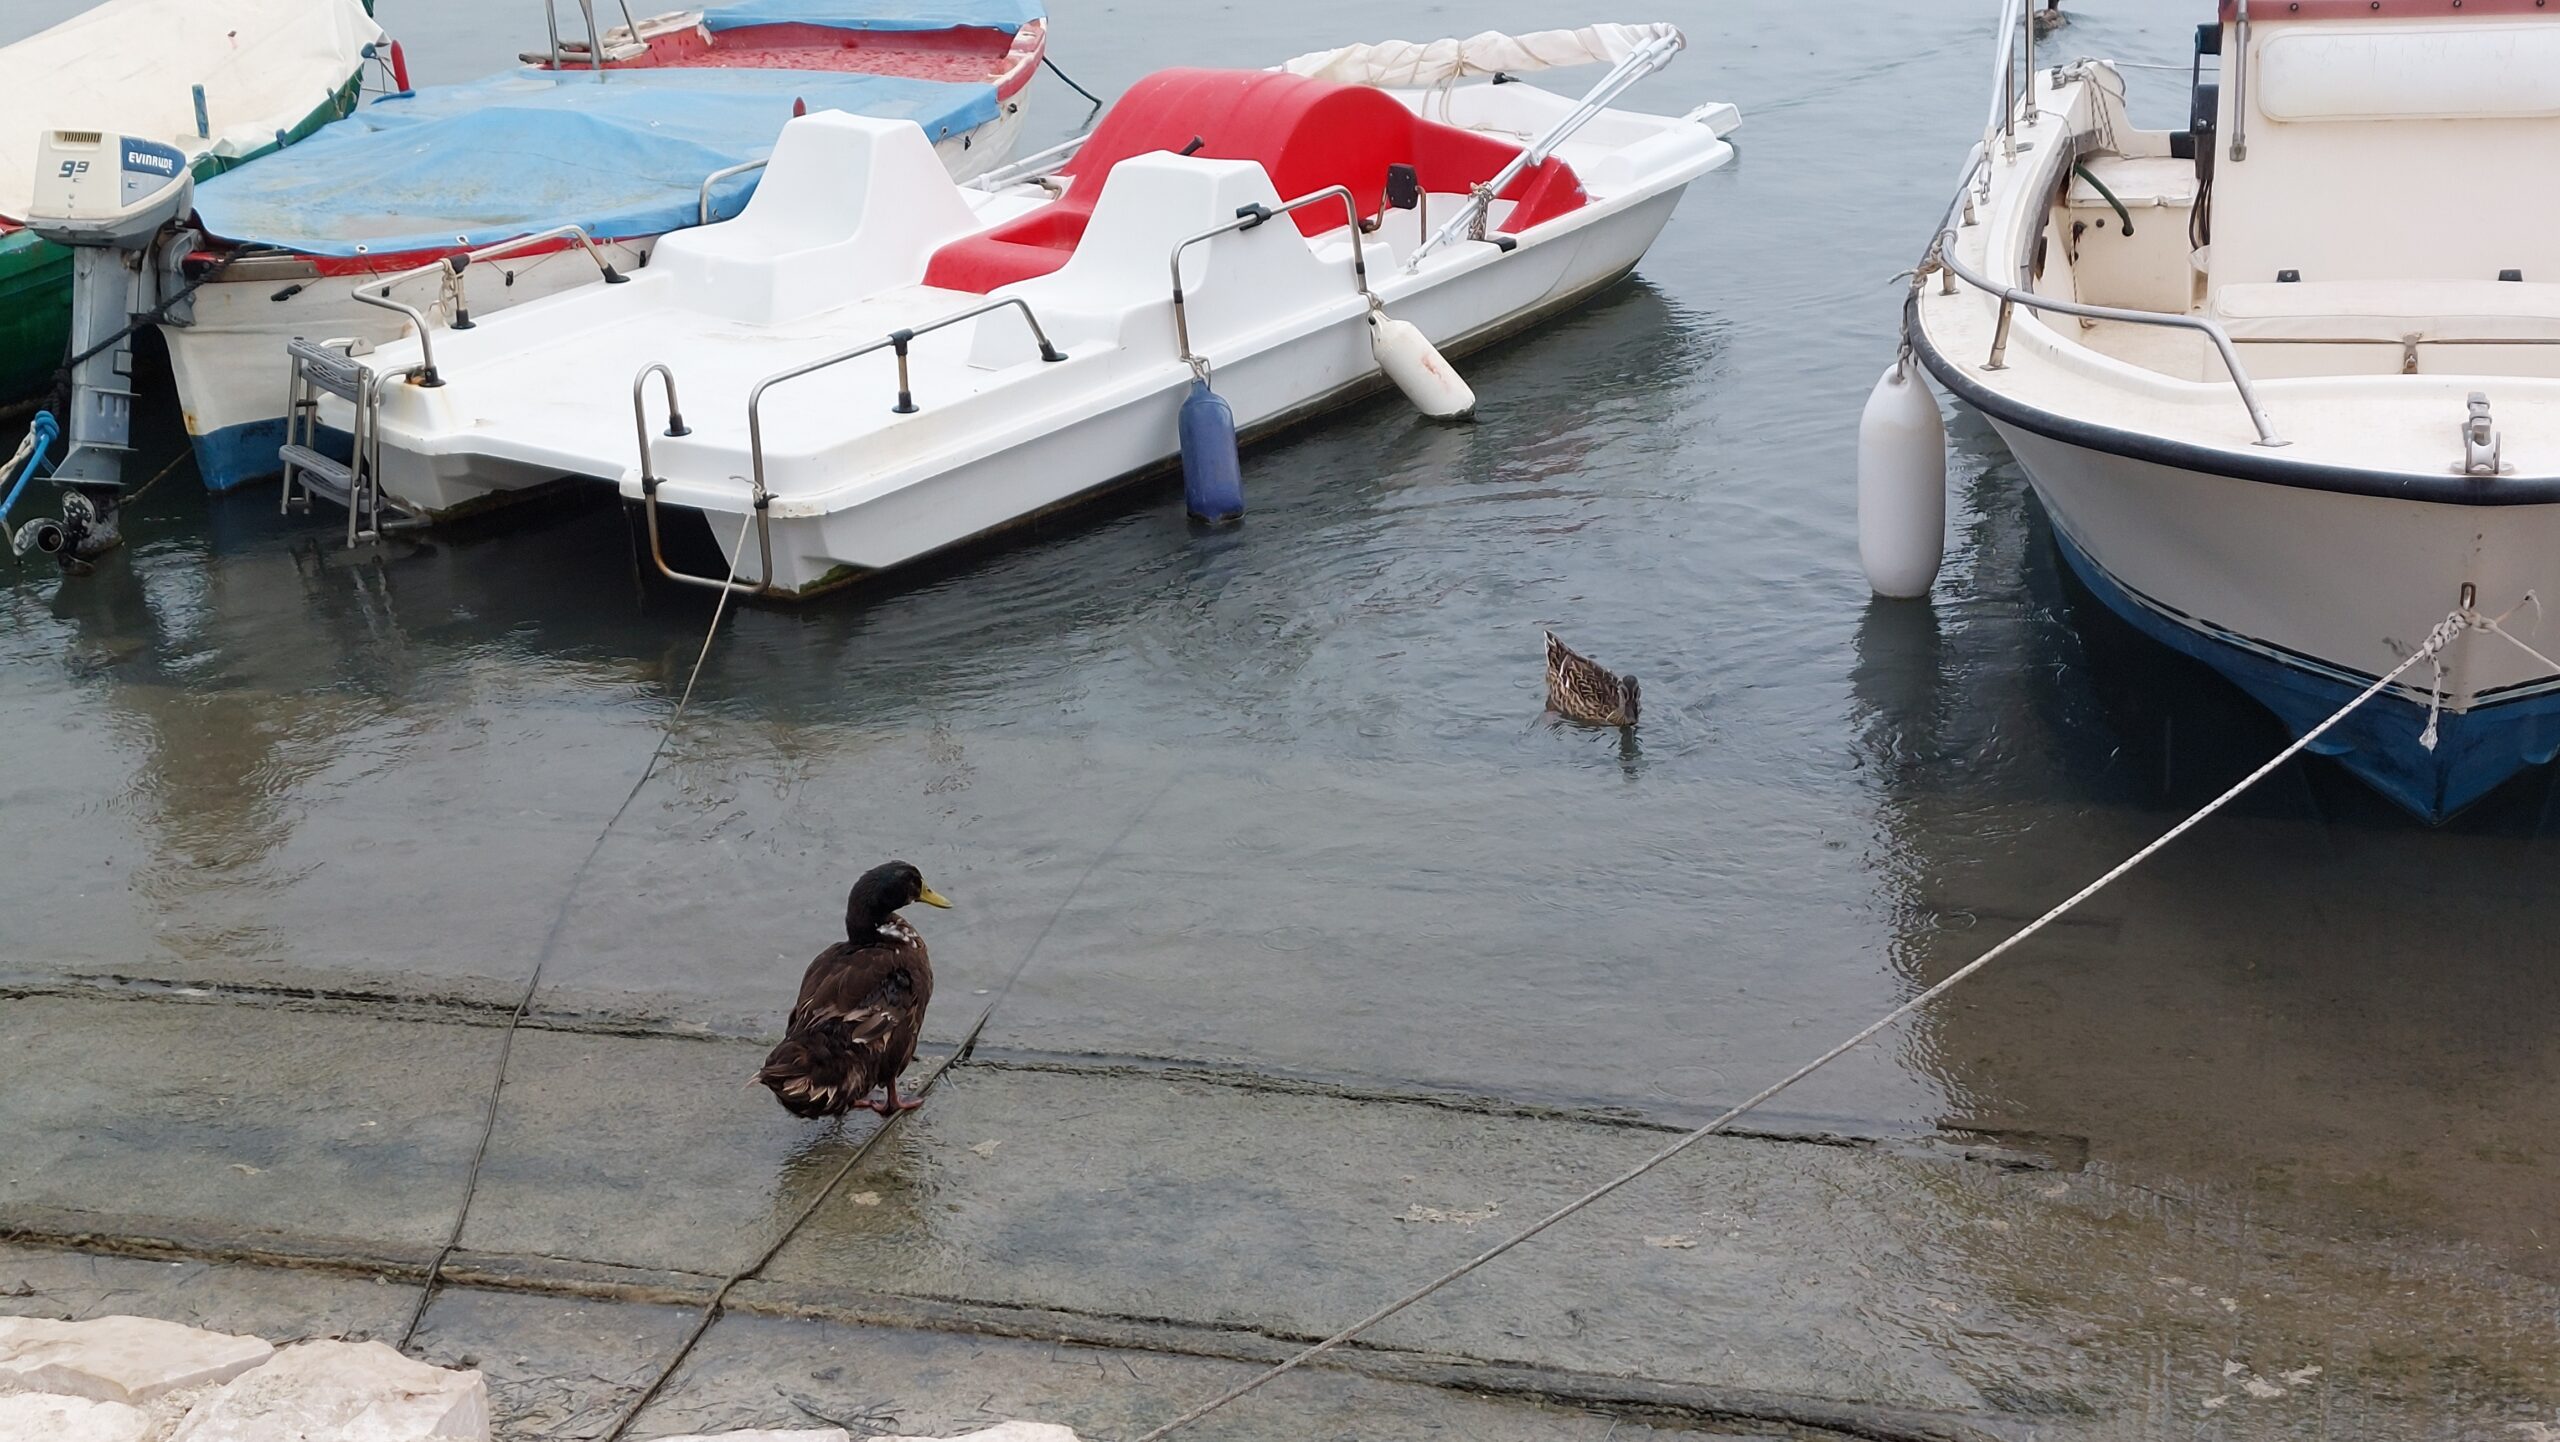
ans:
(2237, 362)
(861, 277)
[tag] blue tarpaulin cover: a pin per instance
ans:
(1005, 15)
(489, 160)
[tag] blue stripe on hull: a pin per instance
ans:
(236, 455)
(2476, 751)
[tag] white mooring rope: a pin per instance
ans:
(2454, 624)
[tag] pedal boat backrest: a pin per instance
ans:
(1306, 134)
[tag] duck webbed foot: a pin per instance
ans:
(895, 1104)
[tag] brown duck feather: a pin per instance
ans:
(1581, 689)
(855, 1026)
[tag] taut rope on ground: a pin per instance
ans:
(2451, 626)
(551, 943)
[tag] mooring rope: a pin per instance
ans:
(551, 942)
(2451, 626)
(710, 1312)
(1071, 81)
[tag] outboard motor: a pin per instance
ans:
(107, 197)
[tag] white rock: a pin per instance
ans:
(343, 1392)
(765, 1434)
(118, 1359)
(34, 1417)
(1007, 1432)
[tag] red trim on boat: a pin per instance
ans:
(2262, 11)
(1307, 134)
(972, 54)
(389, 262)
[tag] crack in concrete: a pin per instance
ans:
(2007, 1149)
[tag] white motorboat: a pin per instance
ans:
(2285, 380)
(626, 134)
(222, 85)
(877, 363)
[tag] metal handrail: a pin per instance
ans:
(1644, 60)
(453, 267)
(724, 173)
(426, 373)
(2240, 86)
(897, 340)
(1031, 164)
(2012, 297)
(1246, 219)
(595, 38)
(762, 500)
(2004, 110)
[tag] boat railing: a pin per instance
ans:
(760, 496)
(2011, 297)
(1644, 60)
(748, 167)
(1246, 219)
(378, 293)
(2017, 28)
(595, 37)
(1031, 166)
(761, 499)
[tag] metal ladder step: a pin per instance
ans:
(320, 474)
(323, 368)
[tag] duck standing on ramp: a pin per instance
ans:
(1581, 689)
(861, 1005)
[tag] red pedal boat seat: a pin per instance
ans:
(1307, 134)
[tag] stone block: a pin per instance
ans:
(118, 1359)
(39, 1417)
(343, 1392)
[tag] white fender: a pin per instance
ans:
(1419, 370)
(1902, 485)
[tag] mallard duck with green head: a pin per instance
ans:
(861, 1006)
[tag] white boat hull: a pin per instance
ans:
(2247, 578)
(1132, 434)
(1269, 389)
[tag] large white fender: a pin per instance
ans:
(1419, 370)
(1902, 485)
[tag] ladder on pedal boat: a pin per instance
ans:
(311, 466)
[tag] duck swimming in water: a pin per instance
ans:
(1581, 689)
(861, 1005)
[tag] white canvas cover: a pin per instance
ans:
(132, 66)
(1411, 65)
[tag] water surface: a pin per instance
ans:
(1280, 797)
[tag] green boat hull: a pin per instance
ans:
(35, 275)
(35, 313)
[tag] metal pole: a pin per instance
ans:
(2240, 88)
(2027, 38)
(595, 43)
